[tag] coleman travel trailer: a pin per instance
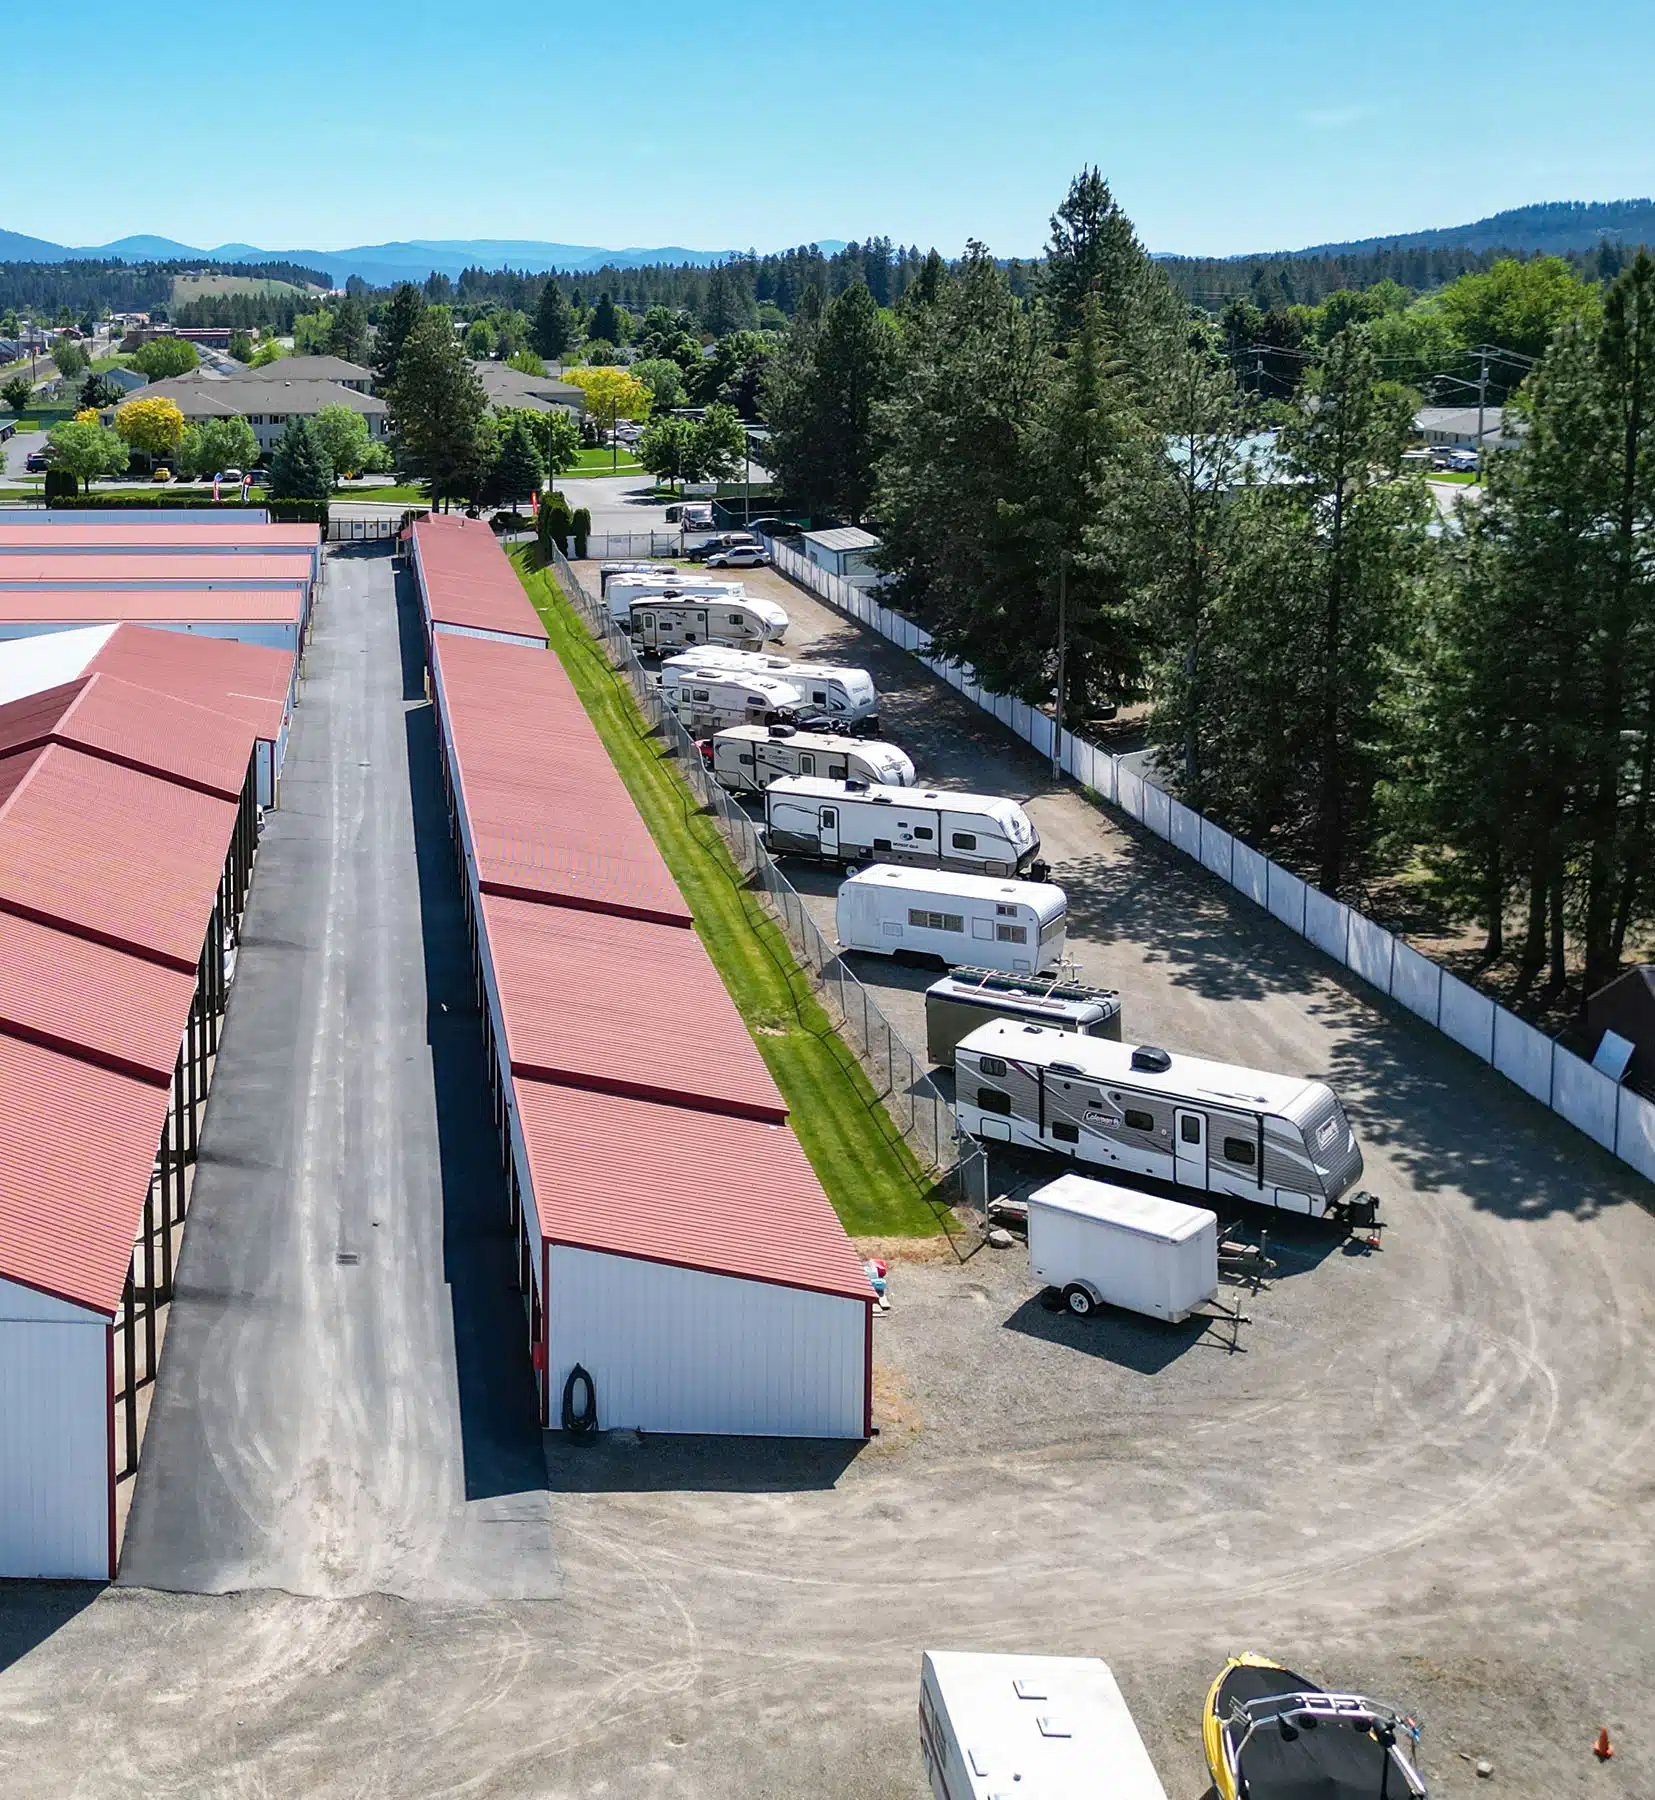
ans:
(715, 699)
(1103, 1245)
(965, 998)
(1215, 1128)
(1048, 1727)
(839, 695)
(988, 920)
(745, 759)
(847, 822)
(670, 622)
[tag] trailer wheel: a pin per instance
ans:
(1079, 1300)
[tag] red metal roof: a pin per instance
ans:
(699, 1190)
(119, 568)
(230, 536)
(187, 606)
(466, 579)
(79, 1146)
(593, 1000)
(135, 726)
(250, 681)
(560, 865)
(91, 1001)
(123, 858)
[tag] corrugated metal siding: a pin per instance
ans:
(86, 999)
(250, 681)
(593, 1000)
(703, 1190)
(128, 859)
(159, 535)
(465, 579)
(54, 1445)
(550, 862)
(225, 605)
(496, 637)
(80, 1143)
(126, 570)
(676, 1350)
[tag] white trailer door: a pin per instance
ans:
(643, 626)
(828, 825)
(807, 762)
(1190, 1148)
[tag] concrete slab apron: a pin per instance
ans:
(344, 1405)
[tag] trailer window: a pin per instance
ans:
(1241, 1150)
(1004, 912)
(1189, 1129)
(1052, 928)
(1139, 1121)
(699, 694)
(924, 831)
(882, 843)
(1064, 1133)
(935, 921)
(964, 840)
(735, 618)
(992, 1100)
(992, 1065)
(1011, 934)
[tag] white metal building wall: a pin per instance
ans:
(55, 1476)
(493, 637)
(271, 635)
(679, 1350)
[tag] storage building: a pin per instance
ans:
(466, 585)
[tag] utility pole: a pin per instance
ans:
(1482, 402)
(1062, 659)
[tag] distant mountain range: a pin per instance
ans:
(1554, 227)
(377, 264)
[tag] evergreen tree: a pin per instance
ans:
(439, 412)
(403, 311)
(519, 469)
(1094, 255)
(299, 466)
(605, 322)
(348, 335)
(822, 398)
(554, 325)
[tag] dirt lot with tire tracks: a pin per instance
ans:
(1426, 1471)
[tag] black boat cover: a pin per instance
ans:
(1325, 1761)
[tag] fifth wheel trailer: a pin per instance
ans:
(1017, 926)
(1216, 1128)
(1048, 1727)
(745, 759)
(1102, 1245)
(839, 694)
(847, 822)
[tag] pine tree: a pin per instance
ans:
(299, 466)
(554, 324)
(439, 412)
(519, 469)
(605, 322)
(403, 311)
(348, 335)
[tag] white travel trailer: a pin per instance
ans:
(1102, 1245)
(1216, 1128)
(984, 920)
(746, 758)
(609, 570)
(847, 822)
(1050, 1727)
(714, 699)
(677, 622)
(725, 656)
(625, 591)
(838, 694)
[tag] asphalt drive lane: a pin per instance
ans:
(344, 1405)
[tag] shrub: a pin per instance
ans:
(580, 528)
(60, 485)
(554, 523)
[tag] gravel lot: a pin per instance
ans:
(1425, 1471)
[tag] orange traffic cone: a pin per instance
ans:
(1603, 1749)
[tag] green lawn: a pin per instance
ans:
(871, 1176)
(101, 365)
(597, 462)
(405, 495)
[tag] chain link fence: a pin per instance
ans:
(899, 1078)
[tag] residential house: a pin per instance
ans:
(1455, 427)
(315, 368)
(266, 400)
(509, 387)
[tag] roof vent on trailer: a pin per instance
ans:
(1151, 1060)
(781, 731)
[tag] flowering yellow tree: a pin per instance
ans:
(154, 427)
(611, 394)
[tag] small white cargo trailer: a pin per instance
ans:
(987, 921)
(714, 699)
(849, 822)
(674, 623)
(745, 759)
(1216, 1128)
(609, 570)
(1103, 1245)
(838, 694)
(1036, 1727)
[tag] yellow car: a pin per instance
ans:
(1271, 1735)
(162, 474)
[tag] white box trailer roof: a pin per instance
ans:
(984, 920)
(727, 656)
(745, 759)
(1114, 1246)
(609, 570)
(842, 821)
(624, 591)
(1029, 1728)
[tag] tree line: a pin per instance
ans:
(1329, 670)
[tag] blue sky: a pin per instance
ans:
(1223, 127)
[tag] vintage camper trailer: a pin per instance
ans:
(745, 759)
(716, 699)
(1213, 1127)
(1017, 926)
(965, 998)
(843, 821)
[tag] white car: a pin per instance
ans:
(740, 556)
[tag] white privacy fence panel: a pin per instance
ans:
(1612, 1116)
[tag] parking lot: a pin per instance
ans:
(1425, 1471)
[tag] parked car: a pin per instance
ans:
(725, 540)
(162, 474)
(229, 475)
(739, 556)
(36, 462)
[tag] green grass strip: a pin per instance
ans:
(872, 1177)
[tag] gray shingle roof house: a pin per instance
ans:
(1456, 427)
(315, 368)
(506, 386)
(265, 403)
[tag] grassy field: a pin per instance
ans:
(197, 287)
(596, 462)
(876, 1186)
(407, 494)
